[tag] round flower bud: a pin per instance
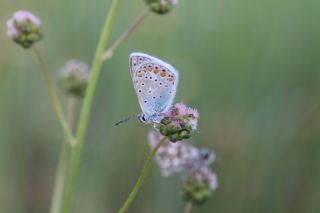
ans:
(198, 186)
(179, 122)
(161, 6)
(74, 77)
(24, 28)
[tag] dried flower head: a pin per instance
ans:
(24, 28)
(161, 6)
(199, 185)
(74, 77)
(179, 122)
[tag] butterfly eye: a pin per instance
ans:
(142, 118)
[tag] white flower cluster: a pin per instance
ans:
(183, 157)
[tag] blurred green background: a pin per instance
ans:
(251, 67)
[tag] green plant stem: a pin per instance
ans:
(188, 208)
(53, 95)
(110, 51)
(142, 176)
(59, 181)
(84, 116)
(62, 163)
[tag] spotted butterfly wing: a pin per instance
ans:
(155, 83)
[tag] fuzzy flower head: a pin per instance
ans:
(203, 158)
(74, 77)
(172, 157)
(161, 6)
(179, 122)
(199, 185)
(24, 28)
(179, 157)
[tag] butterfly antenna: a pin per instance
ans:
(122, 121)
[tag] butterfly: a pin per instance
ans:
(155, 83)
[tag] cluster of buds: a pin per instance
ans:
(198, 180)
(74, 77)
(161, 6)
(198, 185)
(24, 28)
(179, 122)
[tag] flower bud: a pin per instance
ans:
(179, 122)
(161, 6)
(74, 77)
(199, 185)
(24, 28)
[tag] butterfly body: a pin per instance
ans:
(155, 83)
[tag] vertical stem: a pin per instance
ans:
(142, 176)
(188, 208)
(84, 116)
(59, 181)
(53, 95)
(110, 51)
(62, 163)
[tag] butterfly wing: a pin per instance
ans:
(155, 83)
(136, 60)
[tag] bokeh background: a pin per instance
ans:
(251, 67)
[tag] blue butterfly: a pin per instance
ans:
(155, 83)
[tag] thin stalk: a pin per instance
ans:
(188, 208)
(53, 95)
(142, 176)
(84, 116)
(62, 163)
(110, 51)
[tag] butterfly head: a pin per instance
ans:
(143, 118)
(147, 119)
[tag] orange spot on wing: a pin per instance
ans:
(163, 74)
(155, 70)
